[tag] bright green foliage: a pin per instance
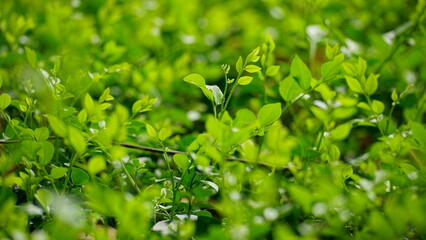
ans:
(301, 73)
(146, 119)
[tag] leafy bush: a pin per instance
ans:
(138, 120)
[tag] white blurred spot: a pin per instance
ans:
(193, 115)
(270, 213)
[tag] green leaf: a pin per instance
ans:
(151, 130)
(330, 52)
(301, 196)
(5, 101)
(252, 57)
(57, 126)
(96, 165)
(45, 153)
(181, 161)
(330, 69)
(349, 68)
(377, 106)
(347, 171)
(301, 73)
(244, 116)
(89, 104)
(245, 80)
(77, 140)
(395, 97)
(371, 84)
(31, 57)
(79, 176)
(239, 65)
(196, 79)
(217, 94)
(353, 84)
(164, 134)
(58, 172)
(252, 68)
(289, 89)
(1, 81)
(419, 133)
(272, 70)
(143, 105)
(341, 132)
(362, 67)
(45, 197)
(41, 134)
(269, 113)
(106, 96)
(320, 114)
(82, 116)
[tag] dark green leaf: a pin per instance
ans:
(79, 177)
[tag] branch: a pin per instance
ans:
(156, 150)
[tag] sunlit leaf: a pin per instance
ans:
(269, 113)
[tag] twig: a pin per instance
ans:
(157, 150)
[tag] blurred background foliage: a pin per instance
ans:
(140, 48)
(149, 46)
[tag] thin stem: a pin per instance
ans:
(156, 150)
(51, 180)
(214, 109)
(321, 136)
(7, 118)
(229, 98)
(390, 117)
(172, 180)
(131, 180)
(67, 178)
(375, 115)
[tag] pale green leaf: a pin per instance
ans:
(330, 69)
(196, 79)
(239, 65)
(96, 165)
(252, 68)
(394, 96)
(151, 130)
(31, 57)
(45, 197)
(89, 104)
(289, 89)
(341, 132)
(45, 153)
(77, 140)
(272, 70)
(301, 73)
(371, 84)
(419, 133)
(164, 134)
(245, 80)
(41, 134)
(353, 84)
(57, 126)
(5, 101)
(181, 161)
(269, 113)
(377, 106)
(58, 172)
